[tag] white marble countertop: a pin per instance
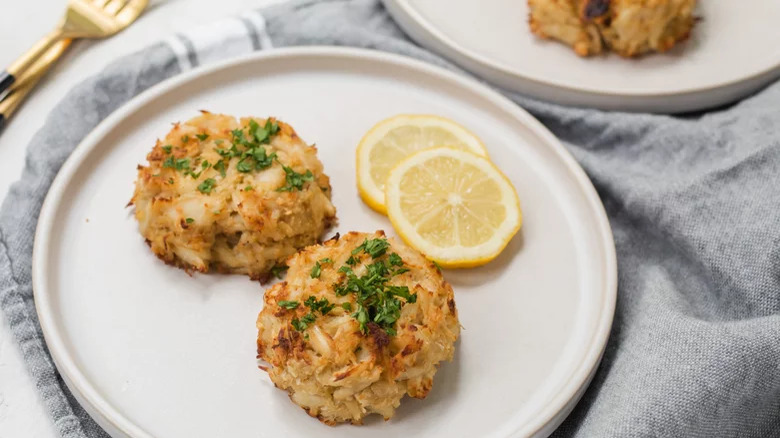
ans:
(22, 22)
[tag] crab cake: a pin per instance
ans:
(238, 196)
(360, 321)
(627, 27)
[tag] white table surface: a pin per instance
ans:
(22, 413)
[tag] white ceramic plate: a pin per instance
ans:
(151, 351)
(733, 51)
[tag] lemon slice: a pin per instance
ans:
(455, 207)
(394, 139)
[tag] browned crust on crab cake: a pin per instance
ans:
(210, 216)
(627, 27)
(333, 370)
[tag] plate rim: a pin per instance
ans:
(108, 415)
(427, 35)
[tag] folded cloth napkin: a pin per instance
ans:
(694, 204)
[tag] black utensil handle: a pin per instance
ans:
(2, 122)
(6, 79)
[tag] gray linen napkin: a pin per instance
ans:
(693, 202)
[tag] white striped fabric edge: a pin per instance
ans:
(220, 40)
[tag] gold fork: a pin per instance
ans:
(83, 19)
(29, 79)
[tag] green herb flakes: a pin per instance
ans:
(322, 305)
(316, 270)
(303, 323)
(378, 302)
(294, 180)
(373, 247)
(289, 305)
(220, 167)
(207, 185)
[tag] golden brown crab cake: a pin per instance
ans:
(235, 196)
(636, 27)
(360, 321)
(564, 20)
(627, 27)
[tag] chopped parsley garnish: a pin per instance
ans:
(403, 292)
(255, 159)
(377, 301)
(248, 188)
(177, 163)
(190, 220)
(323, 305)
(277, 270)
(346, 306)
(373, 247)
(244, 166)
(254, 156)
(220, 166)
(316, 270)
(230, 153)
(207, 185)
(294, 180)
(301, 324)
(395, 260)
(170, 181)
(263, 134)
(289, 305)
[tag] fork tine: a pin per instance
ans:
(131, 10)
(114, 6)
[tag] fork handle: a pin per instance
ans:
(6, 80)
(26, 82)
(17, 69)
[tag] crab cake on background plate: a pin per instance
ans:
(627, 27)
(360, 321)
(238, 196)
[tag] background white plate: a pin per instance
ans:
(732, 51)
(151, 351)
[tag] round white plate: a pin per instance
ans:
(151, 351)
(732, 51)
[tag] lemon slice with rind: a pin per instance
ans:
(394, 139)
(455, 207)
